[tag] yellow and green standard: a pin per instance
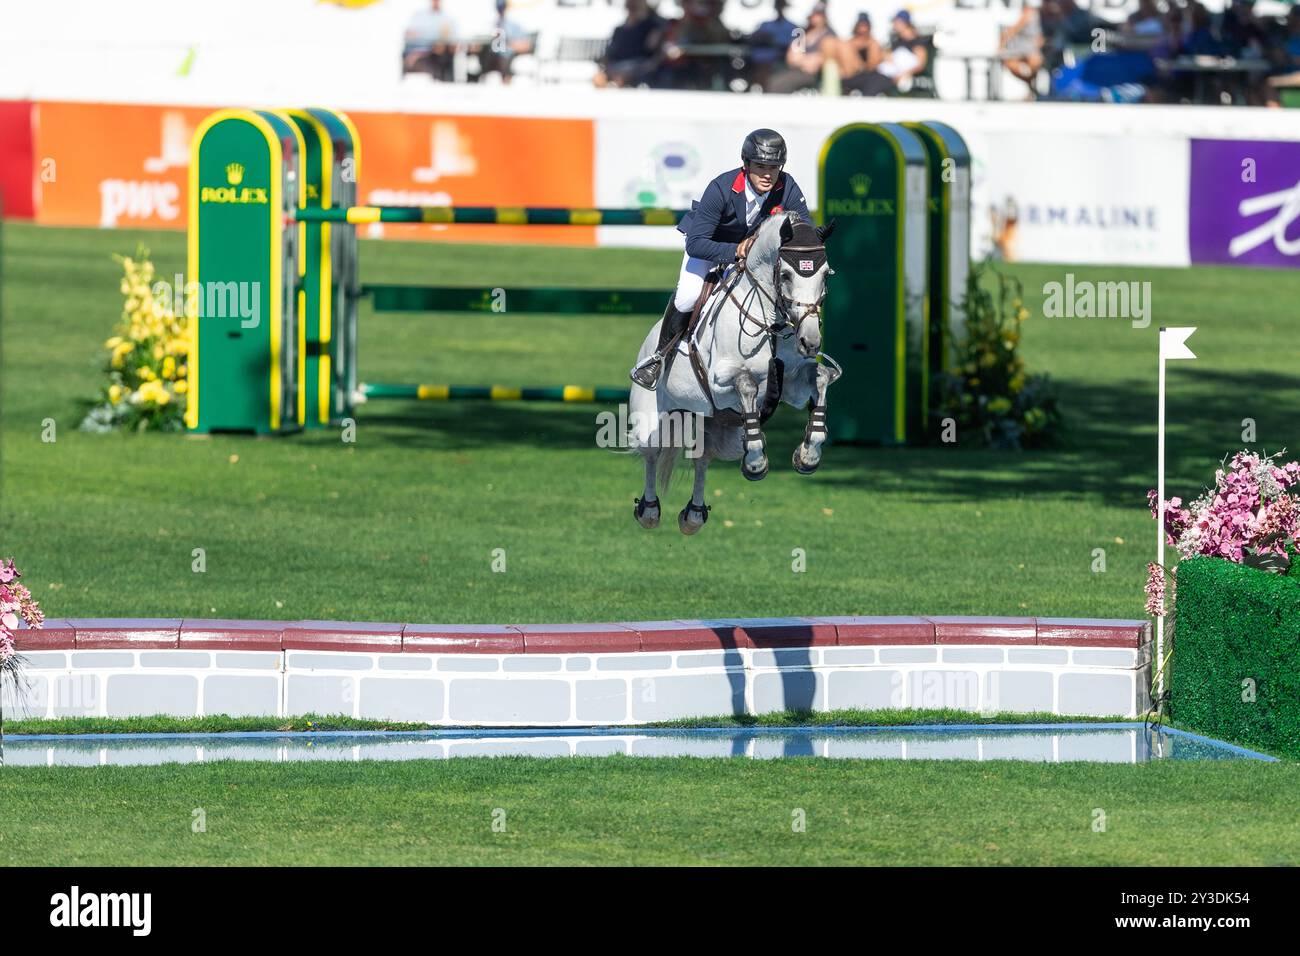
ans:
(873, 181)
(243, 266)
(948, 159)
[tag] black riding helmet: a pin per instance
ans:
(764, 146)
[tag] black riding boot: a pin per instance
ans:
(647, 372)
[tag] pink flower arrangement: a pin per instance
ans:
(1251, 516)
(1155, 590)
(15, 602)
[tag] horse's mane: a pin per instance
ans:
(767, 245)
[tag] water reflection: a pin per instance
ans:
(1129, 743)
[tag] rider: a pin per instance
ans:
(720, 228)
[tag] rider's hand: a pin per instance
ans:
(743, 248)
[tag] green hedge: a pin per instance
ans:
(1232, 623)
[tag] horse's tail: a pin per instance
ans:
(665, 465)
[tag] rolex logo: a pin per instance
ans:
(861, 184)
(235, 174)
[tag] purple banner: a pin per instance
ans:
(1244, 202)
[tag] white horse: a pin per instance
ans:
(767, 306)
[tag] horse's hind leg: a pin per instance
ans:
(647, 506)
(808, 455)
(753, 465)
(691, 518)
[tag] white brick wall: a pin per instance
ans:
(586, 689)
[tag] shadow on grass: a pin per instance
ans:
(1107, 452)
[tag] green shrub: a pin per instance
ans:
(1236, 654)
(988, 392)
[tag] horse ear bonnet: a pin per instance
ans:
(803, 251)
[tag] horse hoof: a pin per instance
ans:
(647, 513)
(754, 475)
(799, 466)
(685, 518)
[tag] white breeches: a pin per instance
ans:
(690, 281)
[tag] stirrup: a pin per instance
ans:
(647, 372)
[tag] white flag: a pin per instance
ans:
(1173, 343)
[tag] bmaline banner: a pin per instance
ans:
(1244, 201)
(1079, 197)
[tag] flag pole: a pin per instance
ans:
(1160, 530)
(1173, 345)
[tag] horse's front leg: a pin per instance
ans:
(808, 455)
(647, 506)
(691, 518)
(753, 464)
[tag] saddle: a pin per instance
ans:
(775, 367)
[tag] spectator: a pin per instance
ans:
(1065, 25)
(700, 24)
(429, 43)
(1241, 33)
(1292, 43)
(508, 40)
(1021, 47)
(627, 59)
(1145, 21)
(907, 55)
(1201, 40)
(769, 44)
(1173, 30)
(805, 57)
(858, 58)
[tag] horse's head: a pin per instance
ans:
(799, 272)
(789, 261)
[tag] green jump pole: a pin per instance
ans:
(414, 298)
(496, 215)
(497, 393)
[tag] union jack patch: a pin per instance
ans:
(805, 265)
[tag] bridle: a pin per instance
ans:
(785, 324)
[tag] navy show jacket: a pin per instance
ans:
(716, 223)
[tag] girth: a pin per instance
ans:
(775, 367)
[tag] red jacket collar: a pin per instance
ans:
(738, 184)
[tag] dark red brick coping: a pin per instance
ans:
(622, 637)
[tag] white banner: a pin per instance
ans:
(1035, 197)
(1080, 198)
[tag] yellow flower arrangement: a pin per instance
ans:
(146, 361)
(987, 391)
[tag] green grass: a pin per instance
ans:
(220, 724)
(635, 810)
(402, 525)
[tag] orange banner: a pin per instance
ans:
(126, 166)
(411, 160)
(113, 165)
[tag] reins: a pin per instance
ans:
(783, 326)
